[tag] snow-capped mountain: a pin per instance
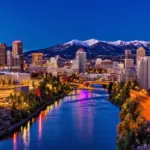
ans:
(94, 48)
(91, 42)
(118, 43)
(76, 42)
(85, 43)
(135, 43)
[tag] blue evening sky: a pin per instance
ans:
(42, 23)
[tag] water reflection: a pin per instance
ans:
(15, 141)
(82, 120)
(26, 135)
(25, 130)
(40, 127)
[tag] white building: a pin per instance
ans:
(81, 58)
(17, 76)
(75, 65)
(129, 63)
(53, 62)
(128, 54)
(121, 66)
(143, 72)
(140, 53)
(9, 59)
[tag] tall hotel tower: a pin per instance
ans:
(17, 54)
(3, 49)
(143, 72)
(81, 59)
(140, 53)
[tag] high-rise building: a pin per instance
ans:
(121, 66)
(81, 58)
(129, 63)
(37, 59)
(128, 54)
(3, 49)
(140, 53)
(130, 74)
(17, 54)
(97, 63)
(75, 65)
(16, 63)
(53, 62)
(17, 48)
(143, 72)
(59, 61)
(9, 59)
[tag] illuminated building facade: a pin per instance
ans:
(140, 53)
(128, 54)
(129, 63)
(143, 72)
(37, 59)
(81, 59)
(9, 59)
(17, 55)
(3, 49)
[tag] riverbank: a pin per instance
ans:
(4, 132)
(132, 129)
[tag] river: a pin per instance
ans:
(82, 120)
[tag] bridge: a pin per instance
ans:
(100, 82)
(81, 86)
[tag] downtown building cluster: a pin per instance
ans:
(142, 67)
(131, 68)
(13, 60)
(138, 69)
(56, 64)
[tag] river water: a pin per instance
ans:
(82, 120)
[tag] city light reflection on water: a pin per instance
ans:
(25, 130)
(75, 122)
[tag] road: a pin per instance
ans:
(144, 101)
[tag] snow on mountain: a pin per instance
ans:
(135, 43)
(91, 42)
(118, 43)
(77, 42)
(85, 43)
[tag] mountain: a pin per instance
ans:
(93, 47)
(86, 43)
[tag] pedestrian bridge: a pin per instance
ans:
(100, 82)
(81, 86)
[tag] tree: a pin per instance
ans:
(33, 84)
(110, 87)
(3, 82)
(9, 81)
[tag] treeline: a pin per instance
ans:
(95, 70)
(132, 129)
(24, 104)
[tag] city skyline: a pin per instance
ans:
(58, 22)
(75, 75)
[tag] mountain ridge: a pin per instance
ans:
(93, 47)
